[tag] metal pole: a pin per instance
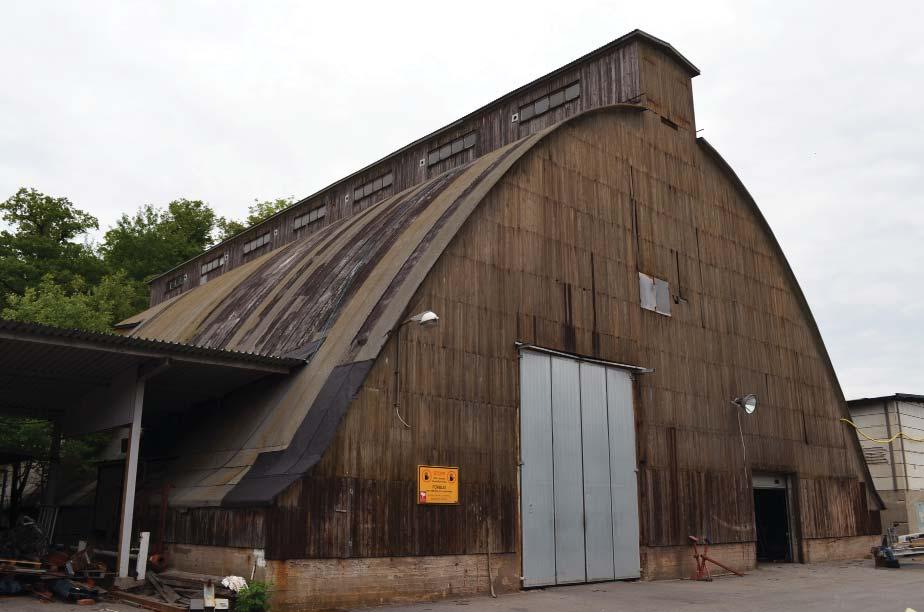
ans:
(131, 473)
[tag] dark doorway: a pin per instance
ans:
(771, 518)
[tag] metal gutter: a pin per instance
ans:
(908, 397)
(522, 346)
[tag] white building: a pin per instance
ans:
(897, 467)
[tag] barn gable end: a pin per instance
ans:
(541, 242)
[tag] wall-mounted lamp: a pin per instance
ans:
(427, 318)
(748, 403)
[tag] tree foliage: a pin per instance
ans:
(76, 305)
(51, 273)
(154, 240)
(42, 238)
(259, 211)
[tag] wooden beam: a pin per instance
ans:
(148, 603)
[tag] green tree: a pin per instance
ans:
(155, 239)
(256, 212)
(42, 238)
(76, 305)
(32, 438)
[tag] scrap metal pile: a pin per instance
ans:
(56, 575)
(173, 590)
(28, 568)
(896, 547)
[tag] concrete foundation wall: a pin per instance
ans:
(322, 584)
(310, 585)
(673, 562)
(838, 549)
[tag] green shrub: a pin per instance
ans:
(253, 598)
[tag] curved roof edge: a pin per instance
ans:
(803, 302)
(274, 471)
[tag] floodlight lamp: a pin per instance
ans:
(748, 403)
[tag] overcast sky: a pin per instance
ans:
(817, 105)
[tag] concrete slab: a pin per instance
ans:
(850, 586)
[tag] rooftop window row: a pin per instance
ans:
(257, 243)
(373, 186)
(463, 143)
(212, 264)
(315, 214)
(446, 151)
(549, 102)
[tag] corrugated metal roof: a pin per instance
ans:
(901, 397)
(165, 348)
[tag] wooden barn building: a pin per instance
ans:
(605, 289)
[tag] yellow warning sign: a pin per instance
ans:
(437, 484)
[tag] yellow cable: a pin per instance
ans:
(900, 434)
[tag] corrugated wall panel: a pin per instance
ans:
(536, 471)
(569, 480)
(623, 475)
(598, 517)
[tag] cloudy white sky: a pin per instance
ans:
(817, 105)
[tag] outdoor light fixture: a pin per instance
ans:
(748, 403)
(427, 318)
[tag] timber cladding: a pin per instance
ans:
(536, 233)
(551, 257)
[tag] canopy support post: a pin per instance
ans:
(130, 480)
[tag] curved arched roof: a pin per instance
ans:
(333, 297)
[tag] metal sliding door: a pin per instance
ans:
(536, 488)
(623, 473)
(568, 472)
(578, 474)
(598, 508)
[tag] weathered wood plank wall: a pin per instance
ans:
(551, 258)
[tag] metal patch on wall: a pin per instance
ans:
(437, 484)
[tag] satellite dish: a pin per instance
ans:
(748, 403)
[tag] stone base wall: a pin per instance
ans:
(673, 562)
(319, 584)
(310, 585)
(323, 584)
(838, 549)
